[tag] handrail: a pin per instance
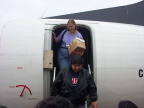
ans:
(54, 74)
(85, 104)
(89, 69)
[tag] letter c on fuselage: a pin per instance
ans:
(140, 73)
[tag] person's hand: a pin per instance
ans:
(79, 52)
(55, 38)
(94, 104)
(54, 35)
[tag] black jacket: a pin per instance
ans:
(63, 87)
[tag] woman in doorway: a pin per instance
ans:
(69, 35)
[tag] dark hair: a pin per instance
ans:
(73, 22)
(127, 104)
(76, 59)
(54, 102)
(3, 107)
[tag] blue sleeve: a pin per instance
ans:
(80, 36)
(60, 35)
(92, 89)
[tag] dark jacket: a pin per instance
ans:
(63, 87)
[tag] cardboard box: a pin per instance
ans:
(76, 44)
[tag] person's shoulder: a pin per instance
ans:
(65, 30)
(79, 34)
(64, 70)
(85, 71)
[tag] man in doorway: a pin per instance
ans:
(75, 83)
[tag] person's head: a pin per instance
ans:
(71, 25)
(54, 102)
(126, 104)
(3, 106)
(76, 63)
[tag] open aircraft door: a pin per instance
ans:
(21, 63)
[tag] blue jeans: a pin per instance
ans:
(63, 58)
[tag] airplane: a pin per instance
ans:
(28, 61)
(114, 55)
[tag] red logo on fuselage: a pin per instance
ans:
(24, 86)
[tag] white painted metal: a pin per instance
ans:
(118, 56)
(21, 63)
(46, 73)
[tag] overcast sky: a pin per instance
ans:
(29, 9)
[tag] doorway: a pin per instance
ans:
(88, 54)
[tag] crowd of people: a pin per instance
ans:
(59, 102)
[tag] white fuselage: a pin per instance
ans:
(118, 62)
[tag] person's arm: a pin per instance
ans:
(55, 38)
(92, 91)
(80, 35)
(56, 85)
(94, 104)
